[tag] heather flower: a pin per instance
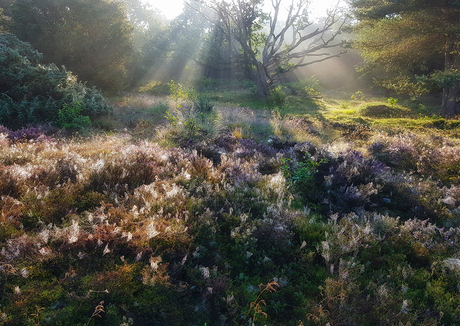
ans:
(453, 264)
(3, 139)
(151, 231)
(106, 250)
(376, 147)
(155, 263)
(24, 273)
(74, 232)
(30, 133)
(205, 272)
(404, 307)
(45, 251)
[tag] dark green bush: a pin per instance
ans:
(376, 110)
(205, 83)
(34, 93)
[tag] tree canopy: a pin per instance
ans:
(92, 38)
(412, 37)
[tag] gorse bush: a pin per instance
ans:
(34, 93)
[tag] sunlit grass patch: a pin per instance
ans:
(302, 106)
(239, 98)
(400, 122)
(346, 111)
(135, 100)
(155, 88)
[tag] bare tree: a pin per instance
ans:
(289, 44)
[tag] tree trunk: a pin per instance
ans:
(260, 79)
(451, 62)
(449, 100)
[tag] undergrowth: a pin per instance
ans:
(183, 236)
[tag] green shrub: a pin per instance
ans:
(306, 87)
(358, 96)
(206, 83)
(34, 93)
(422, 109)
(301, 174)
(70, 117)
(178, 94)
(278, 95)
(203, 104)
(160, 107)
(392, 101)
(193, 117)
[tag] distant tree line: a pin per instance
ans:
(411, 46)
(111, 43)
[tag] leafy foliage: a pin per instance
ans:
(278, 95)
(306, 87)
(70, 118)
(34, 93)
(91, 38)
(193, 118)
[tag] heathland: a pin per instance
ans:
(210, 207)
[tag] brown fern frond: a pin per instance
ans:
(97, 312)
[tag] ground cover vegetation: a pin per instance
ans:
(204, 203)
(230, 215)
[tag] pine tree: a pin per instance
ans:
(410, 37)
